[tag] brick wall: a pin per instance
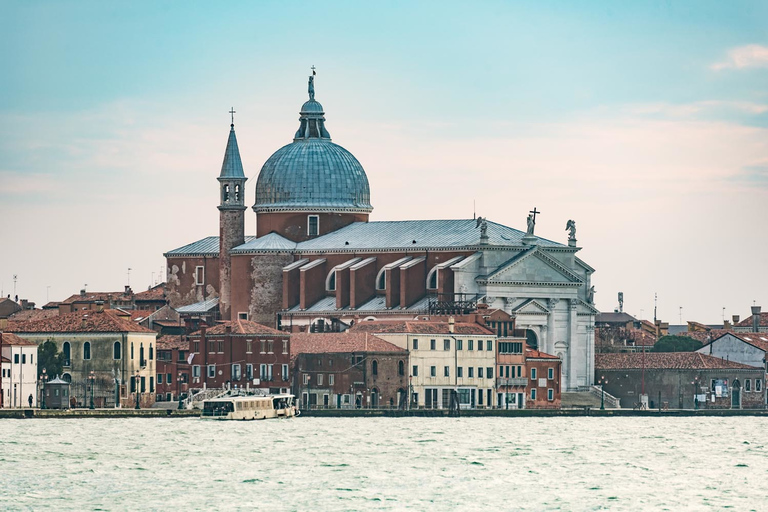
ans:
(293, 226)
(362, 284)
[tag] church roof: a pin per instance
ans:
(208, 246)
(269, 242)
(232, 167)
(312, 173)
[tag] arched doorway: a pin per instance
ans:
(736, 395)
(531, 339)
(374, 397)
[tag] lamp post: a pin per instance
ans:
(695, 383)
(43, 378)
(603, 381)
(178, 388)
(309, 394)
(136, 381)
(92, 379)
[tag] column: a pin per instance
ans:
(572, 344)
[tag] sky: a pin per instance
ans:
(645, 122)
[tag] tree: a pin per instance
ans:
(49, 357)
(676, 344)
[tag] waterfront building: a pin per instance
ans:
(173, 368)
(19, 373)
(543, 388)
(511, 373)
(348, 370)
(112, 352)
(240, 354)
(445, 357)
(681, 380)
(317, 263)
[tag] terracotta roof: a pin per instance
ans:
(171, 342)
(705, 337)
(96, 296)
(756, 339)
(155, 293)
(82, 321)
(11, 339)
(168, 323)
(531, 353)
(747, 322)
(241, 327)
(665, 361)
(334, 342)
(420, 327)
(29, 315)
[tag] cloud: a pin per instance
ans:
(749, 56)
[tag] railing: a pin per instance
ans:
(197, 399)
(610, 401)
(517, 381)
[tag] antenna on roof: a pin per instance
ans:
(655, 301)
(474, 209)
(129, 276)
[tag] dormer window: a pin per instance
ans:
(313, 225)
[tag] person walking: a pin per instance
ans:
(30, 400)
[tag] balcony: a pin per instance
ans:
(518, 381)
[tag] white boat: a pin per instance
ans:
(252, 407)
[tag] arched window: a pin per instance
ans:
(381, 280)
(237, 192)
(66, 377)
(531, 339)
(151, 352)
(87, 350)
(401, 368)
(375, 367)
(117, 351)
(330, 281)
(432, 279)
(225, 193)
(67, 351)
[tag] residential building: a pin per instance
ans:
(173, 368)
(544, 380)
(115, 352)
(348, 370)
(240, 354)
(681, 380)
(19, 374)
(317, 262)
(511, 373)
(445, 357)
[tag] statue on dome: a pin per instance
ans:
(571, 226)
(531, 225)
(311, 88)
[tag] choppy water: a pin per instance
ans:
(385, 463)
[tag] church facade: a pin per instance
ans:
(317, 262)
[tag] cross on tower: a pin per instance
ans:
(232, 113)
(313, 70)
(534, 212)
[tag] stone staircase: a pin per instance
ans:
(587, 397)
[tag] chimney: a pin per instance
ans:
(228, 328)
(128, 290)
(735, 319)
(100, 306)
(82, 292)
(451, 325)
(84, 323)
(756, 318)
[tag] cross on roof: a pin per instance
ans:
(313, 70)
(232, 113)
(534, 212)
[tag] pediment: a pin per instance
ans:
(530, 306)
(533, 266)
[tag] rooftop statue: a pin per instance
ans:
(311, 88)
(482, 223)
(531, 224)
(571, 226)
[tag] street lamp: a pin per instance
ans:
(178, 389)
(92, 379)
(694, 383)
(136, 383)
(43, 378)
(603, 381)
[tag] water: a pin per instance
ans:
(385, 463)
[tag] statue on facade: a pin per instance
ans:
(531, 225)
(311, 88)
(482, 223)
(571, 226)
(591, 295)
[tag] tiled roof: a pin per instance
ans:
(420, 327)
(756, 339)
(665, 361)
(531, 353)
(705, 337)
(614, 318)
(747, 322)
(208, 246)
(155, 293)
(320, 343)
(11, 339)
(269, 242)
(28, 315)
(96, 296)
(82, 321)
(241, 327)
(171, 342)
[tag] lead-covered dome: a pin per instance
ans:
(312, 173)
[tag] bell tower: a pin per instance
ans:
(231, 216)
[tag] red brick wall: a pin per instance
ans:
(231, 234)
(181, 288)
(291, 287)
(445, 280)
(412, 284)
(342, 288)
(392, 292)
(312, 285)
(293, 226)
(541, 401)
(362, 284)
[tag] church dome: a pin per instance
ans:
(312, 173)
